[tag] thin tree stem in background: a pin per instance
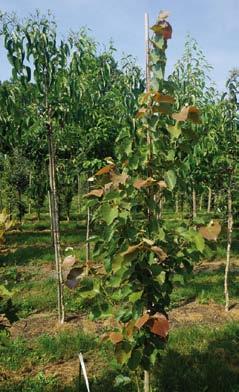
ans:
(229, 242)
(78, 192)
(209, 203)
(87, 247)
(201, 202)
(176, 204)
(194, 203)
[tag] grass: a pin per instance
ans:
(204, 287)
(21, 353)
(200, 359)
(197, 358)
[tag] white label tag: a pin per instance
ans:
(82, 363)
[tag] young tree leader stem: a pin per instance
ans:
(55, 223)
(229, 242)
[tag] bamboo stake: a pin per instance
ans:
(149, 143)
(87, 246)
(229, 242)
(146, 381)
(55, 225)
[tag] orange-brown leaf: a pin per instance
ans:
(132, 249)
(95, 192)
(212, 231)
(187, 113)
(119, 179)
(164, 15)
(142, 321)
(130, 328)
(164, 28)
(159, 252)
(159, 325)
(116, 337)
(163, 98)
(141, 112)
(162, 184)
(68, 262)
(140, 183)
(105, 170)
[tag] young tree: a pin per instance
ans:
(141, 253)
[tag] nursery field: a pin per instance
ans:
(119, 215)
(38, 354)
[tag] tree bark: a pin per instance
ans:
(176, 204)
(30, 184)
(209, 203)
(194, 203)
(78, 192)
(229, 242)
(55, 224)
(201, 202)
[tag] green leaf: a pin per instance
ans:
(135, 296)
(174, 130)
(109, 214)
(199, 242)
(117, 262)
(135, 359)
(121, 380)
(123, 352)
(170, 179)
(161, 277)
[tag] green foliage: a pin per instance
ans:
(141, 252)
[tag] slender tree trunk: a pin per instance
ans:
(78, 192)
(30, 184)
(215, 202)
(201, 202)
(161, 203)
(194, 203)
(50, 211)
(229, 242)
(176, 204)
(209, 203)
(55, 224)
(20, 205)
(87, 246)
(146, 381)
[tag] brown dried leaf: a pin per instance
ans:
(187, 113)
(163, 98)
(141, 113)
(212, 231)
(132, 249)
(160, 253)
(142, 321)
(159, 325)
(95, 192)
(140, 183)
(164, 15)
(74, 276)
(116, 337)
(105, 170)
(119, 179)
(68, 262)
(164, 28)
(162, 184)
(130, 328)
